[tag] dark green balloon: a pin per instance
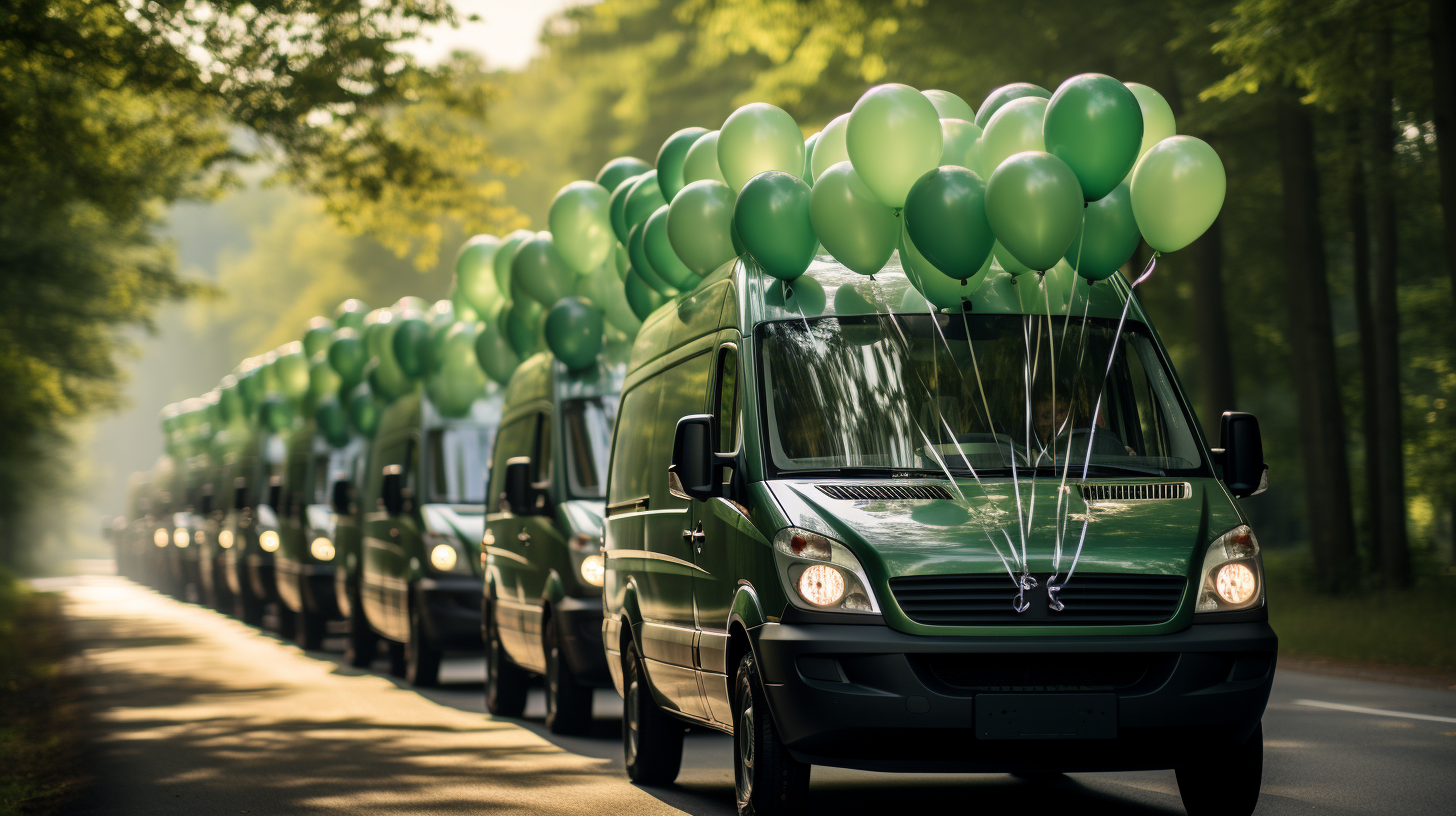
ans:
(323, 380)
(772, 214)
(574, 332)
(1034, 204)
(333, 422)
(277, 415)
(251, 387)
(700, 225)
(643, 199)
(364, 409)
(637, 252)
(475, 273)
(1004, 94)
(523, 326)
(494, 355)
(350, 314)
(618, 170)
(643, 299)
(617, 209)
(945, 215)
(411, 340)
(620, 262)
(317, 338)
(1095, 125)
(505, 255)
(1108, 236)
(936, 287)
(539, 272)
(660, 254)
(670, 160)
(348, 355)
(850, 221)
(459, 381)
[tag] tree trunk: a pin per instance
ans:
(1443, 91)
(1365, 321)
(1312, 352)
(1385, 307)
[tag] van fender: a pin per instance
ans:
(744, 616)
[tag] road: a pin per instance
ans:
(196, 714)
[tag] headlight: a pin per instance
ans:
(160, 537)
(593, 571)
(443, 557)
(198, 537)
(1232, 573)
(225, 539)
(180, 537)
(823, 573)
(268, 540)
(322, 549)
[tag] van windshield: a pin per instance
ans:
(458, 457)
(586, 425)
(935, 392)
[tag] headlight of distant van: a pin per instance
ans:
(586, 551)
(268, 540)
(160, 537)
(180, 538)
(444, 552)
(225, 539)
(322, 549)
(821, 574)
(1233, 573)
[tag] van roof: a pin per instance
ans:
(542, 377)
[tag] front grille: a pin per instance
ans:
(881, 492)
(1148, 491)
(1096, 599)
(1039, 672)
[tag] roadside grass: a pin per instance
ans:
(1413, 628)
(39, 717)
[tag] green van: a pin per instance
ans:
(249, 533)
(855, 531)
(347, 527)
(542, 608)
(305, 561)
(423, 506)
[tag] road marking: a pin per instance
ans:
(1379, 712)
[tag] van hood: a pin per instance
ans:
(464, 521)
(583, 516)
(961, 535)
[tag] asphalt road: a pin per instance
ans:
(196, 713)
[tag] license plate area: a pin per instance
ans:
(1046, 716)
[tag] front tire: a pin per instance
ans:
(1228, 786)
(310, 627)
(651, 739)
(505, 682)
(767, 780)
(247, 608)
(422, 658)
(363, 643)
(568, 702)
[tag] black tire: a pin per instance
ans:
(505, 682)
(652, 740)
(287, 621)
(767, 780)
(421, 658)
(311, 627)
(248, 608)
(568, 702)
(363, 644)
(396, 655)
(1226, 785)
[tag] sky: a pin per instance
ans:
(507, 33)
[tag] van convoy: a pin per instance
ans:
(798, 445)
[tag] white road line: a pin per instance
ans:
(1379, 712)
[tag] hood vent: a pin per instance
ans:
(1149, 491)
(883, 492)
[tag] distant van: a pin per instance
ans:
(314, 472)
(842, 526)
(249, 533)
(542, 548)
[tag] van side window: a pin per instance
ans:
(632, 442)
(725, 406)
(514, 439)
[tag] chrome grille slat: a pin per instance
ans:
(883, 492)
(1136, 491)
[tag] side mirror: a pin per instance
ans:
(392, 491)
(693, 473)
(275, 493)
(240, 493)
(1244, 470)
(339, 498)
(517, 495)
(204, 502)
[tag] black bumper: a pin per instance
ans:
(871, 698)
(580, 625)
(451, 611)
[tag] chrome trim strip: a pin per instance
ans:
(652, 556)
(504, 553)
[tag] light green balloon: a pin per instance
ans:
(617, 208)
(893, 138)
(937, 287)
(620, 262)
(292, 370)
(700, 225)
(493, 353)
(1008, 93)
(460, 380)
(604, 289)
(643, 199)
(701, 161)
(1177, 190)
(1108, 236)
(804, 296)
(538, 271)
(504, 257)
(1034, 204)
(319, 335)
(581, 225)
(1158, 122)
(618, 170)
(757, 138)
(475, 272)
(657, 246)
(1048, 292)
(1015, 128)
(830, 149)
(851, 223)
(808, 174)
(1006, 261)
(950, 106)
(350, 314)
(670, 158)
(323, 381)
(962, 144)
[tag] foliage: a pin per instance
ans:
(39, 734)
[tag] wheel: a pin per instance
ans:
(568, 703)
(1228, 786)
(248, 609)
(766, 778)
(505, 682)
(651, 739)
(287, 621)
(422, 658)
(310, 628)
(396, 655)
(363, 643)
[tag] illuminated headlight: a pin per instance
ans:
(593, 571)
(160, 537)
(198, 537)
(322, 549)
(1232, 573)
(443, 557)
(225, 539)
(824, 574)
(268, 540)
(180, 537)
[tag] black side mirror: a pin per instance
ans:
(204, 502)
(240, 493)
(517, 496)
(693, 473)
(275, 493)
(392, 491)
(339, 497)
(1244, 470)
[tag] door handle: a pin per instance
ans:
(524, 537)
(695, 537)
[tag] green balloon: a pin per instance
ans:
(387, 380)
(1006, 261)
(945, 215)
(316, 339)
(323, 381)
(604, 289)
(670, 158)
(643, 299)
(644, 199)
(949, 106)
(620, 262)
(618, 170)
(475, 273)
(276, 414)
(364, 409)
(850, 221)
(229, 399)
(941, 290)
(1015, 128)
(830, 149)
(1094, 124)
(1158, 123)
(523, 326)
(657, 246)
(617, 209)
(574, 332)
(808, 174)
(538, 271)
(803, 296)
(1107, 238)
(504, 257)
(700, 225)
(1008, 93)
(772, 214)
(459, 382)
(333, 422)
(350, 314)
(637, 252)
(581, 224)
(997, 293)
(701, 161)
(494, 354)
(893, 138)
(411, 346)
(292, 371)
(410, 303)
(1047, 292)
(962, 144)
(758, 138)
(1177, 191)
(374, 324)
(1034, 204)
(348, 355)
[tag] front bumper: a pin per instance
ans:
(451, 611)
(580, 624)
(872, 698)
